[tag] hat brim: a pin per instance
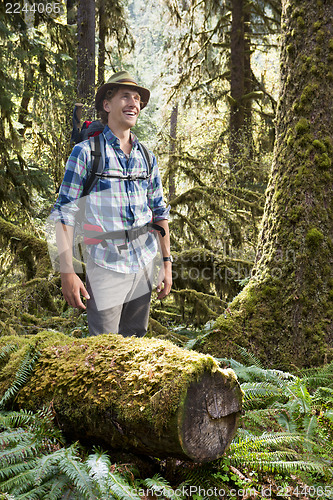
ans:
(100, 94)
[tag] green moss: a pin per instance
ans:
(290, 49)
(314, 238)
(300, 22)
(302, 126)
(323, 161)
(320, 36)
(330, 44)
(319, 145)
(328, 143)
(295, 213)
(317, 25)
(137, 378)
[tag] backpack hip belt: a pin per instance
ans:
(94, 234)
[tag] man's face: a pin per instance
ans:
(123, 109)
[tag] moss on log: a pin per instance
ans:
(144, 395)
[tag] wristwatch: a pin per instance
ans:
(168, 259)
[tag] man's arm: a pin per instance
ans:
(165, 248)
(71, 284)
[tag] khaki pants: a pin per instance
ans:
(119, 302)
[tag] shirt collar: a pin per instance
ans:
(113, 140)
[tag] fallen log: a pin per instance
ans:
(144, 395)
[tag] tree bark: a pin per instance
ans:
(284, 315)
(144, 395)
(70, 8)
(237, 77)
(86, 52)
(101, 45)
(172, 149)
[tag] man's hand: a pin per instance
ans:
(167, 280)
(72, 286)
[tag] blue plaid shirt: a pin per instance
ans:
(114, 204)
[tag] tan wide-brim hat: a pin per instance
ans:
(123, 79)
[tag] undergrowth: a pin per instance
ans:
(283, 447)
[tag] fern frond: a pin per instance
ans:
(118, 486)
(57, 487)
(13, 437)
(249, 358)
(6, 350)
(323, 395)
(284, 467)
(287, 423)
(15, 419)
(99, 465)
(71, 465)
(248, 442)
(22, 376)
(24, 450)
(261, 418)
(22, 482)
(14, 470)
(258, 393)
(161, 486)
(310, 425)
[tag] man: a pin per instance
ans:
(123, 201)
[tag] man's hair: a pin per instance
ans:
(108, 95)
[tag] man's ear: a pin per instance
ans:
(106, 105)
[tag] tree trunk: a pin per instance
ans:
(284, 315)
(101, 45)
(236, 82)
(29, 85)
(70, 8)
(144, 395)
(86, 53)
(248, 86)
(172, 150)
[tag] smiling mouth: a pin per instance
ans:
(130, 113)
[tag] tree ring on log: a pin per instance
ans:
(210, 417)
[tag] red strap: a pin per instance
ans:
(92, 227)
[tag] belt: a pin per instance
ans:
(94, 234)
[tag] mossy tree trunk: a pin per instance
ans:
(144, 395)
(284, 315)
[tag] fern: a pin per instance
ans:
(22, 376)
(6, 350)
(118, 486)
(71, 465)
(160, 486)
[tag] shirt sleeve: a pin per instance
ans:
(66, 206)
(155, 195)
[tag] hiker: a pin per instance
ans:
(123, 210)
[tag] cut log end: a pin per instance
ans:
(210, 418)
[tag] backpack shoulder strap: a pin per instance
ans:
(98, 162)
(147, 155)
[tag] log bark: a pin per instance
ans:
(144, 395)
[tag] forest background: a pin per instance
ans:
(214, 73)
